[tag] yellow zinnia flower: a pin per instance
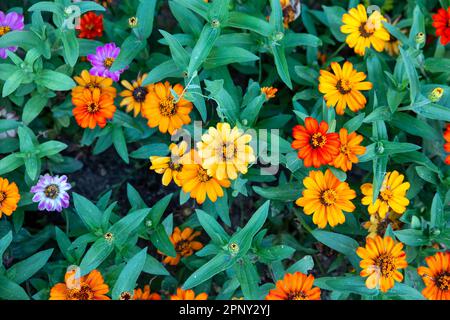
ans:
(165, 111)
(86, 81)
(9, 197)
(392, 195)
(325, 197)
(136, 95)
(381, 260)
(225, 151)
(364, 32)
(169, 167)
(342, 87)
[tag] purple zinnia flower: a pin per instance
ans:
(51, 193)
(103, 59)
(11, 21)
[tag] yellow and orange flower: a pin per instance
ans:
(188, 295)
(93, 108)
(136, 95)
(171, 166)
(343, 87)
(392, 195)
(436, 276)
(349, 150)
(325, 197)
(9, 197)
(381, 260)
(88, 82)
(447, 143)
(165, 111)
(364, 31)
(377, 226)
(184, 244)
(89, 287)
(145, 294)
(315, 146)
(296, 286)
(269, 92)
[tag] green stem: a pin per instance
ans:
(337, 51)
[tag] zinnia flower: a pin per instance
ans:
(165, 111)
(296, 286)
(436, 276)
(291, 11)
(4, 114)
(225, 151)
(51, 193)
(188, 295)
(88, 287)
(391, 196)
(170, 167)
(9, 197)
(325, 197)
(377, 226)
(441, 21)
(364, 32)
(269, 92)
(136, 95)
(93, 108)
(9, 22)
(102, 61)
(145, 294)
(343, 87)
(184, 244)
(91, 25)
(88, 82)
(349, 150)
(381, 259)
(447, 143)
(315, 146)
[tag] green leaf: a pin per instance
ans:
(274, 253)
(13, 82)
(167, 69)
(225, 56)
(287, 192)
(123, 228)
(55, 80)
(50, 148)
(301, 39)
(179, 55)
(379, 172)
(411, 73)
(248, 278)
(88, 212)
(145, 15)
(5, 242)
(412, 237)
(10, 163)
(303, 265)
(159, 208)
(403, 291)
(334, 19)
(33, 107)
(437, 212)
(340, 243)
(212, 228)
(281, 64)
(414, 126)
(153, 266)
(161, 241)
(11, 291)
(129, 275)
(129, 49)
(120, 144)
(25, 269)
(154, 149)
(202, 48)
(71, 46)
(247, 22)
(353, 284)
(96, 254)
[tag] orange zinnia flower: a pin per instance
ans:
(315, 146)
(297, 286)
(9, 197)
(188, 295)
(436, 276)
(184, 244)
(348, 151)
(447, 143)
(93, 108)
(165, 111)
(381, 259)
(145, 294)
(91, 25)
(441, 21)
(269, 92)
(88, 287)
(88, 82)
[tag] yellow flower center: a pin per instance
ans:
(344, 86)
(83, 293)
(318, 140)
(139, 94)
(386, 193)
(328, 197)
(366, 30)
(51, 191)
(92, 108)
(443, 281)
(167, 107)
(108, 62)
(297, 295)
(4, 30)
(228, 151)
(203, 175)
(344, 149)
(2, 196)
(386, 264)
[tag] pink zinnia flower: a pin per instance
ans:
(102, 61)
(9, 22)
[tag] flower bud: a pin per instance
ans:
(420, 38)
(133, 22)
(436, 94)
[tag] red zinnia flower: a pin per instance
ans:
(447, 143)
(91, 25)
(441, 21)
(315, 146)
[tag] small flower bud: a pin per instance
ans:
(234, 248)
(109, 237)
(215, 23)
(436, 94)
(133, 22)
(420, 38)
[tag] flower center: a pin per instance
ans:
(92, 108)
(328, 197)
(4, 30)
(90, 26)
(182, 247)
(344, 149)
(386, 264)
(167, 107)
(139, 94)
(2, 196)
(443, 281)
(84, 293)
(51, 191)
(386, 193)
(175, 166)
(228, 151)
(366, 30)
(203, 175)
(318, 140)
(343, 86)
(297, 295)
(108, 62)
(92, 85)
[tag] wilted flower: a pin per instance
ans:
(51, 193)
(4, 114)
(102, 61)
(9, 22)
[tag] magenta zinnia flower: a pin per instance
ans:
(102, 61)
(51, 193)
(11, 21)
